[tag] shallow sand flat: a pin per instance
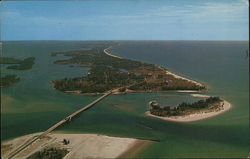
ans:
(80, 146)
(194, 117)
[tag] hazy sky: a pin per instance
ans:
(125, 20)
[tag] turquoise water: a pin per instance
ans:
(31, 105)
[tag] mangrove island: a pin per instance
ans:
(109, 72)
(15, 64)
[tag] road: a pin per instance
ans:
(67, 119)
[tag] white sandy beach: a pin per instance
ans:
(183, 78)
(194, 117)
(80, 146)
(107, 53)
(200, 95)
(187, 91)
(167, 72)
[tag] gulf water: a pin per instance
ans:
(31, 105)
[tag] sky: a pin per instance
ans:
(125, 20)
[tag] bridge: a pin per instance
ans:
(68, 118)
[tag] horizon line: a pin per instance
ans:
(119, 40)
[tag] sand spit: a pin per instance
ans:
(107, 53)
(80, 146)
(187, 91)
(200, 95)
(194, 117)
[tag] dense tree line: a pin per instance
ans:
(49, 153)
(99, 79)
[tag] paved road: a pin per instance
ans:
(33, 139)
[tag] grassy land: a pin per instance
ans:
(107, 72)
(8, 80)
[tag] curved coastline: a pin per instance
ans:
(167, 72)
(109, 54)
(195, 116)
(186, 118)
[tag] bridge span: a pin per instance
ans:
(68, 118)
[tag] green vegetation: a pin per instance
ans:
(107, 72)
(9, 60)
(21, 64)
(49, 153)
(208, 105)
(8, 80)
(17, 65)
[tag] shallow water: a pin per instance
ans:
(31, 105)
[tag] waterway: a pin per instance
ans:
(31, 105)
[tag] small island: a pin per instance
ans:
(8, 80)
(24, 64)
(15, 64)
(108, 72)
(186, 112)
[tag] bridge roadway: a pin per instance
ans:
(33, 139)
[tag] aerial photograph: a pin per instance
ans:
(105, 79)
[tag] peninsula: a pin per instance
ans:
(108, 72)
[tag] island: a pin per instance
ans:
(15, 64)
(108, 72)
(24, 64)
(8, 80)
(186, 112)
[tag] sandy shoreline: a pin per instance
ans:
(200, 95)
(194, 117)
(167, 72)
(80, 146)
(107, 53)
(183, 78)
